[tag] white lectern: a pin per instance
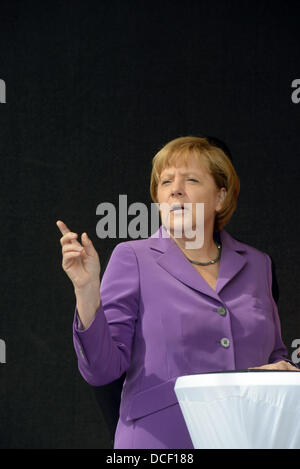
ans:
(241, 409)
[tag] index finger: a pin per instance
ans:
(62, 227)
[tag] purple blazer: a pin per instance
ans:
(159, 319)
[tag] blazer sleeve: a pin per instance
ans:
(280, 351)
(104, 349)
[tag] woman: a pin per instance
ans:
(165, 309)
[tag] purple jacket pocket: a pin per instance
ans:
(152, 399)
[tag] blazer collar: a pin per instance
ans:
(174, 261)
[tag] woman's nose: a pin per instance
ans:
(176, 192)
(176, 188)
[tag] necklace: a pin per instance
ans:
(219, 246)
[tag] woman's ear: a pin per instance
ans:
(221, 198)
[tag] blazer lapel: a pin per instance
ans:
(174, 261)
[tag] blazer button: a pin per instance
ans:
(221, 310)
(225, 342)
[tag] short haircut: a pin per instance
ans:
(218, 160)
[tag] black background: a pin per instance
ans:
(94, 90)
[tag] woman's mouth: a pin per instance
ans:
(176, 208)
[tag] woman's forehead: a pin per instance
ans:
(190, 163)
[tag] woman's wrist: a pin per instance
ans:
(88, 302)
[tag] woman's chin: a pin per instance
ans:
(178, 230)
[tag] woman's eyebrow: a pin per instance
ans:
(185, 173)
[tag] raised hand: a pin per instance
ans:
(80, 261)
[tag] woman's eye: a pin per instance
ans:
(190, 179)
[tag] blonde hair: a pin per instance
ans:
(217, 162)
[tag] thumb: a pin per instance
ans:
(87, 244)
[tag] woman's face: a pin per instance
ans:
(188, 184)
